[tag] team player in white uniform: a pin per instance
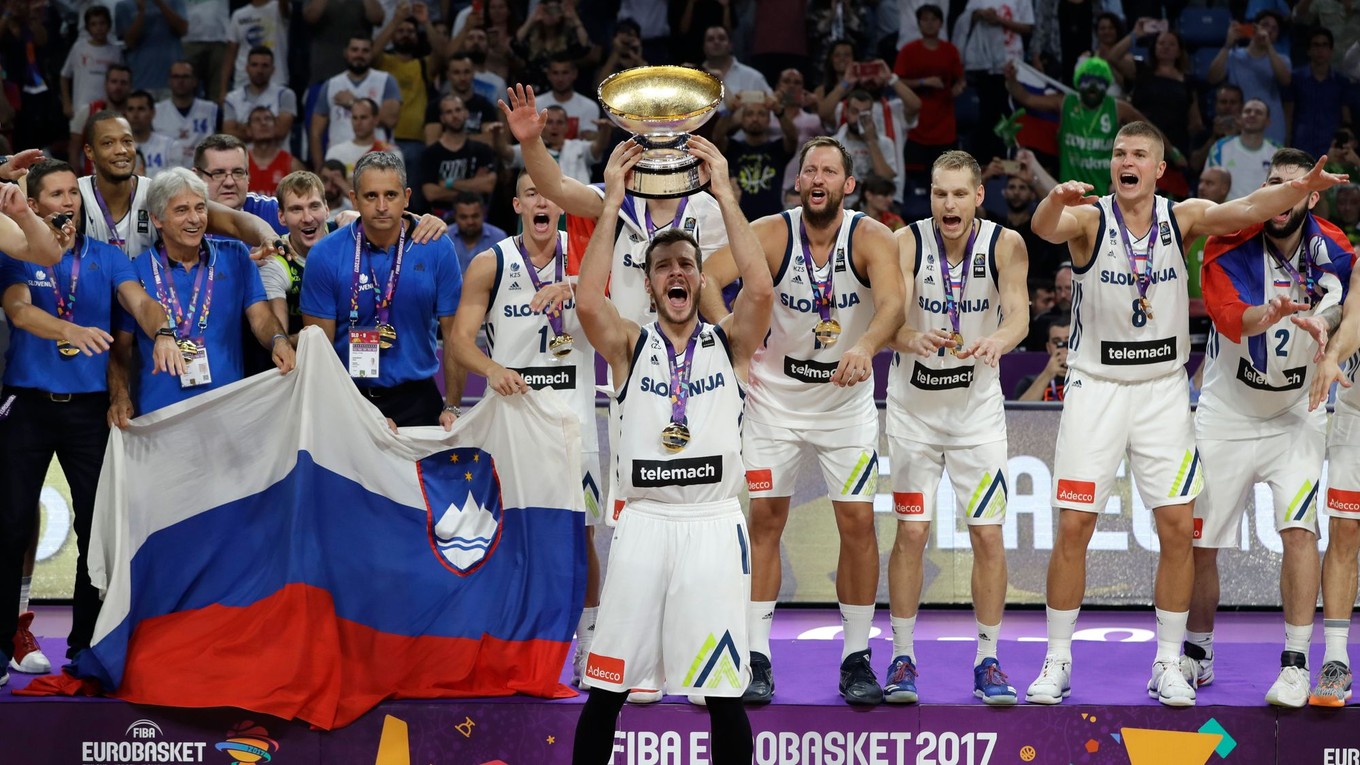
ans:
(1253, 422)
(677, 587)
(1339, 564)
(1127, 393)
(812, 385)
(967, 304)
(519, 289)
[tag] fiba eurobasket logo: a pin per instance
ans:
(143, 743)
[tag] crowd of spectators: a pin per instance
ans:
(319, 83)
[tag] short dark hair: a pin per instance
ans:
(561, 57)
(335, 164)
(216, 142)
(630, 24)
(878, 185)
(103, 115)
(371, 104)
(150, 99)
(1060, 320)
(1145, 130)
(43, 168)
(97, 10)
(1343, 136)
(929, 8)
(261, 50)
(671, 236)
(117, 68)
(467, 198)
(826, 140)
(1289, 157)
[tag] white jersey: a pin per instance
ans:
(709, 468)
(158, 153)
(1112, 337)
(239, 103)
(259, 25)
(517, 336)
(186, 129)
(700, 217)
(1240, 401)
(944, 400)
(372, 85)
(134, 230)
(791, 372)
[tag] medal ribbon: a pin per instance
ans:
(382, 307)
(114, 239)
(679, 372)
(554, 314)
(66, 307)
(951, 303)
(679, 213)
(1308, 283)
(1143, 279)
(169, 298)
(822, 291)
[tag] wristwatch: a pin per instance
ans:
(165, 332)
(457, 410)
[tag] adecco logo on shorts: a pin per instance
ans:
(1199, 529)
(1343, 501)
(604, 668)
(909, 503)
(759, 480)
(1077, 491)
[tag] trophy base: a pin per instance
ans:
(666, 171)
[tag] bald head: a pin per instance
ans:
(1214, 184)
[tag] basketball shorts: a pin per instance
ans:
(848, 457)
(1290, 463)
(977, 473)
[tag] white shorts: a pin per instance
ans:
(1104, 422)
(673, 608)
(1291, 463)
(1343, 470)
(977, 473)
(590, 485)
(848, 457)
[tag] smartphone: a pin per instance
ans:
(1010, 166)
(476, 7)
(1156, 26)
(865, 70)
(1246, 30)
(752, 97)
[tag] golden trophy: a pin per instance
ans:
(661, 106)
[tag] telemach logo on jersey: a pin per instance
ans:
(809, 371)
(1140, 352)
(1254, 379)
(926, 378)
(557, 378)
(694, 471)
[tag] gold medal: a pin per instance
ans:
(827, 332)
(957, 339)
(561, 345)
(188, 349)
(387, 336)
(67, 350)
(1146, 305)
(674, 437)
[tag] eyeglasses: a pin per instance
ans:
(239, 174)
(1059, 343)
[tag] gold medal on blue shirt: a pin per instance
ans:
(387, 336)
(66, 350)
(561, 345)
(188, 349)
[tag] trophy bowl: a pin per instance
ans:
(661, 106)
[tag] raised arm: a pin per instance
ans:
(25, 236)
(1200, 217)
(526, 123)
(1064, 217)
(612, 335)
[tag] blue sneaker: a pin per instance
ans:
(990, 684)
(901, 687)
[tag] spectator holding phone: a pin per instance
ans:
(1051, 383)
(894, 109)
(625, 50)
(1164, 91)
(1258, 69)
(869, 149)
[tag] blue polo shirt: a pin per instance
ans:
(236, 286)
(428, 289)
(490, 235)
(265, 208)
(32, 361)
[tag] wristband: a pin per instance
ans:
(276, 338)
(165, 332)
(457, 410)
(893, 80)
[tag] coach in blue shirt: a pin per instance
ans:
(371, 276)
(205, 288)
(55, 399)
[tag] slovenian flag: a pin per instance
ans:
(273, 546)
(1038, 129)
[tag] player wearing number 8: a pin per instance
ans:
(1126, 390)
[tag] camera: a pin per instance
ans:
(60, 220)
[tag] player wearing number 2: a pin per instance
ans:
(1127, 394)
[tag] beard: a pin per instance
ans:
(1286, 229)
(356, 68)
(820, 218)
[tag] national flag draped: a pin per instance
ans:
(1039, 129)
(272, 546)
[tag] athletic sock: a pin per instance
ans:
(1297, 637)
(1204, 640)
(25, 585)
(855, 621)
(594, 744)
(986, 644)
(904, 636)
(759, 620)
(585, 629)
(1337, 632)
(1170, 634)
(1061, 625)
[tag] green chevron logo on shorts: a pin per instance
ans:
(592, 495)
(863, 479)
(1303, 507)
(989, 498)
(716, 663)
(1189, 479)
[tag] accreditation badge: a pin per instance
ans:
(196, 369)
(364, 344)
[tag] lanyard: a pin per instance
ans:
(382, 306)
(114, 239)
(1308, 283)
(66, 307)
(679, 372)
(679, 213)
(1142, 279)
(951, 303)
(169, 297)
(554, 314)
(822, 291)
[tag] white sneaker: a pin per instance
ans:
(1291, 687)
(1171, 685)
(643, 696)
(1053, 684)
(1197, 663)
(697, 700)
